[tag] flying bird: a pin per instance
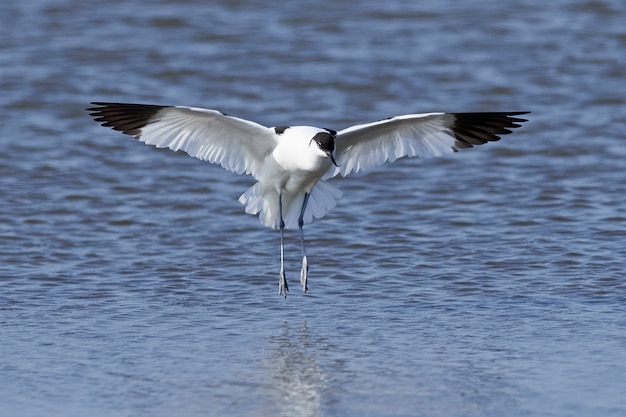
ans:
(292, 163)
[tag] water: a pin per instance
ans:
(486, 283)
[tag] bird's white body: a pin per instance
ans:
(291, 164)
(281, 173)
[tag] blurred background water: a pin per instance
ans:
(486, 283)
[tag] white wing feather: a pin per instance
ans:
(238, 145)
(364, 146)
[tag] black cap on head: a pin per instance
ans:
(325, 141)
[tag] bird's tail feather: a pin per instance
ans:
(323, 198)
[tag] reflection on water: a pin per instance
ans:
(300, 386)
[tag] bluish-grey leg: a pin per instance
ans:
(305, 266)
(283, 288)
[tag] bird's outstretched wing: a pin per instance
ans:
(364, 146)
(236, 144)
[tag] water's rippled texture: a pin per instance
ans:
(487, 283)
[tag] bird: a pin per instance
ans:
(292, 164)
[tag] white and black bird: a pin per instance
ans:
(291, 163)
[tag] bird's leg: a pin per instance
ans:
(305, 266)
(283, 288)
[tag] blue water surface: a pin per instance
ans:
(485, 283)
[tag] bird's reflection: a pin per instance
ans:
(299, 385)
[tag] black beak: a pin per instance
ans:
(332, 158)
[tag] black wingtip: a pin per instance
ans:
(124, 117)
(470, 129)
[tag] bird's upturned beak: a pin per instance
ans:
(332, 158)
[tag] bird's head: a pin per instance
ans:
(325, 142)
